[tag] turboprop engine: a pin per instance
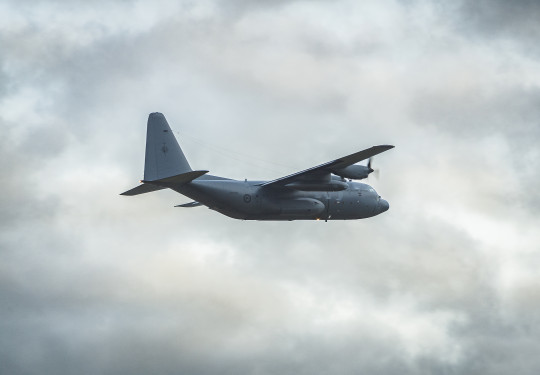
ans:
(354, 172)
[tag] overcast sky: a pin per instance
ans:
(444, 282)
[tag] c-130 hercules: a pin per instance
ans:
(320, 192)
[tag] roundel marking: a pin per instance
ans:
(247, 198)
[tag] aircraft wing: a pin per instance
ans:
(342, 162)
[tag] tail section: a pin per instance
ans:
(164, 157)
(165, 164)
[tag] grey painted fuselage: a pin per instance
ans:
(247, 200)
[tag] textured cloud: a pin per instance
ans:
(443, 282)
(501, 19)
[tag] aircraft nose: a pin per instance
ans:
(383, 206)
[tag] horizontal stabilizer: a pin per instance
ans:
(141, 189)
(190, 204)
(179, 179)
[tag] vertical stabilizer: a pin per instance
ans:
(164, 157)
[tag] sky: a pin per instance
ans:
(444, 282)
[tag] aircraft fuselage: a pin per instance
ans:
(246, 200)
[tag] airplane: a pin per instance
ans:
(325, 191)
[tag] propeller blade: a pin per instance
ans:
(371, 170)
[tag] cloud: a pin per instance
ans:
(502, 19)
(443, 282)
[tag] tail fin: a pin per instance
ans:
(164, 157)
(165, 164)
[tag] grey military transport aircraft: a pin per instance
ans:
(320, 192)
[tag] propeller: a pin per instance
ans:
(371, 170)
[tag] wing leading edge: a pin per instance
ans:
(328, 167)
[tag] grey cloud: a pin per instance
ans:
(495, 22)
(109, 284)
(502, 18)
(512, 111)
(475, 114)
(20, 160)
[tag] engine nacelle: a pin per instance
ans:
(315, 186)
(354, 172)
